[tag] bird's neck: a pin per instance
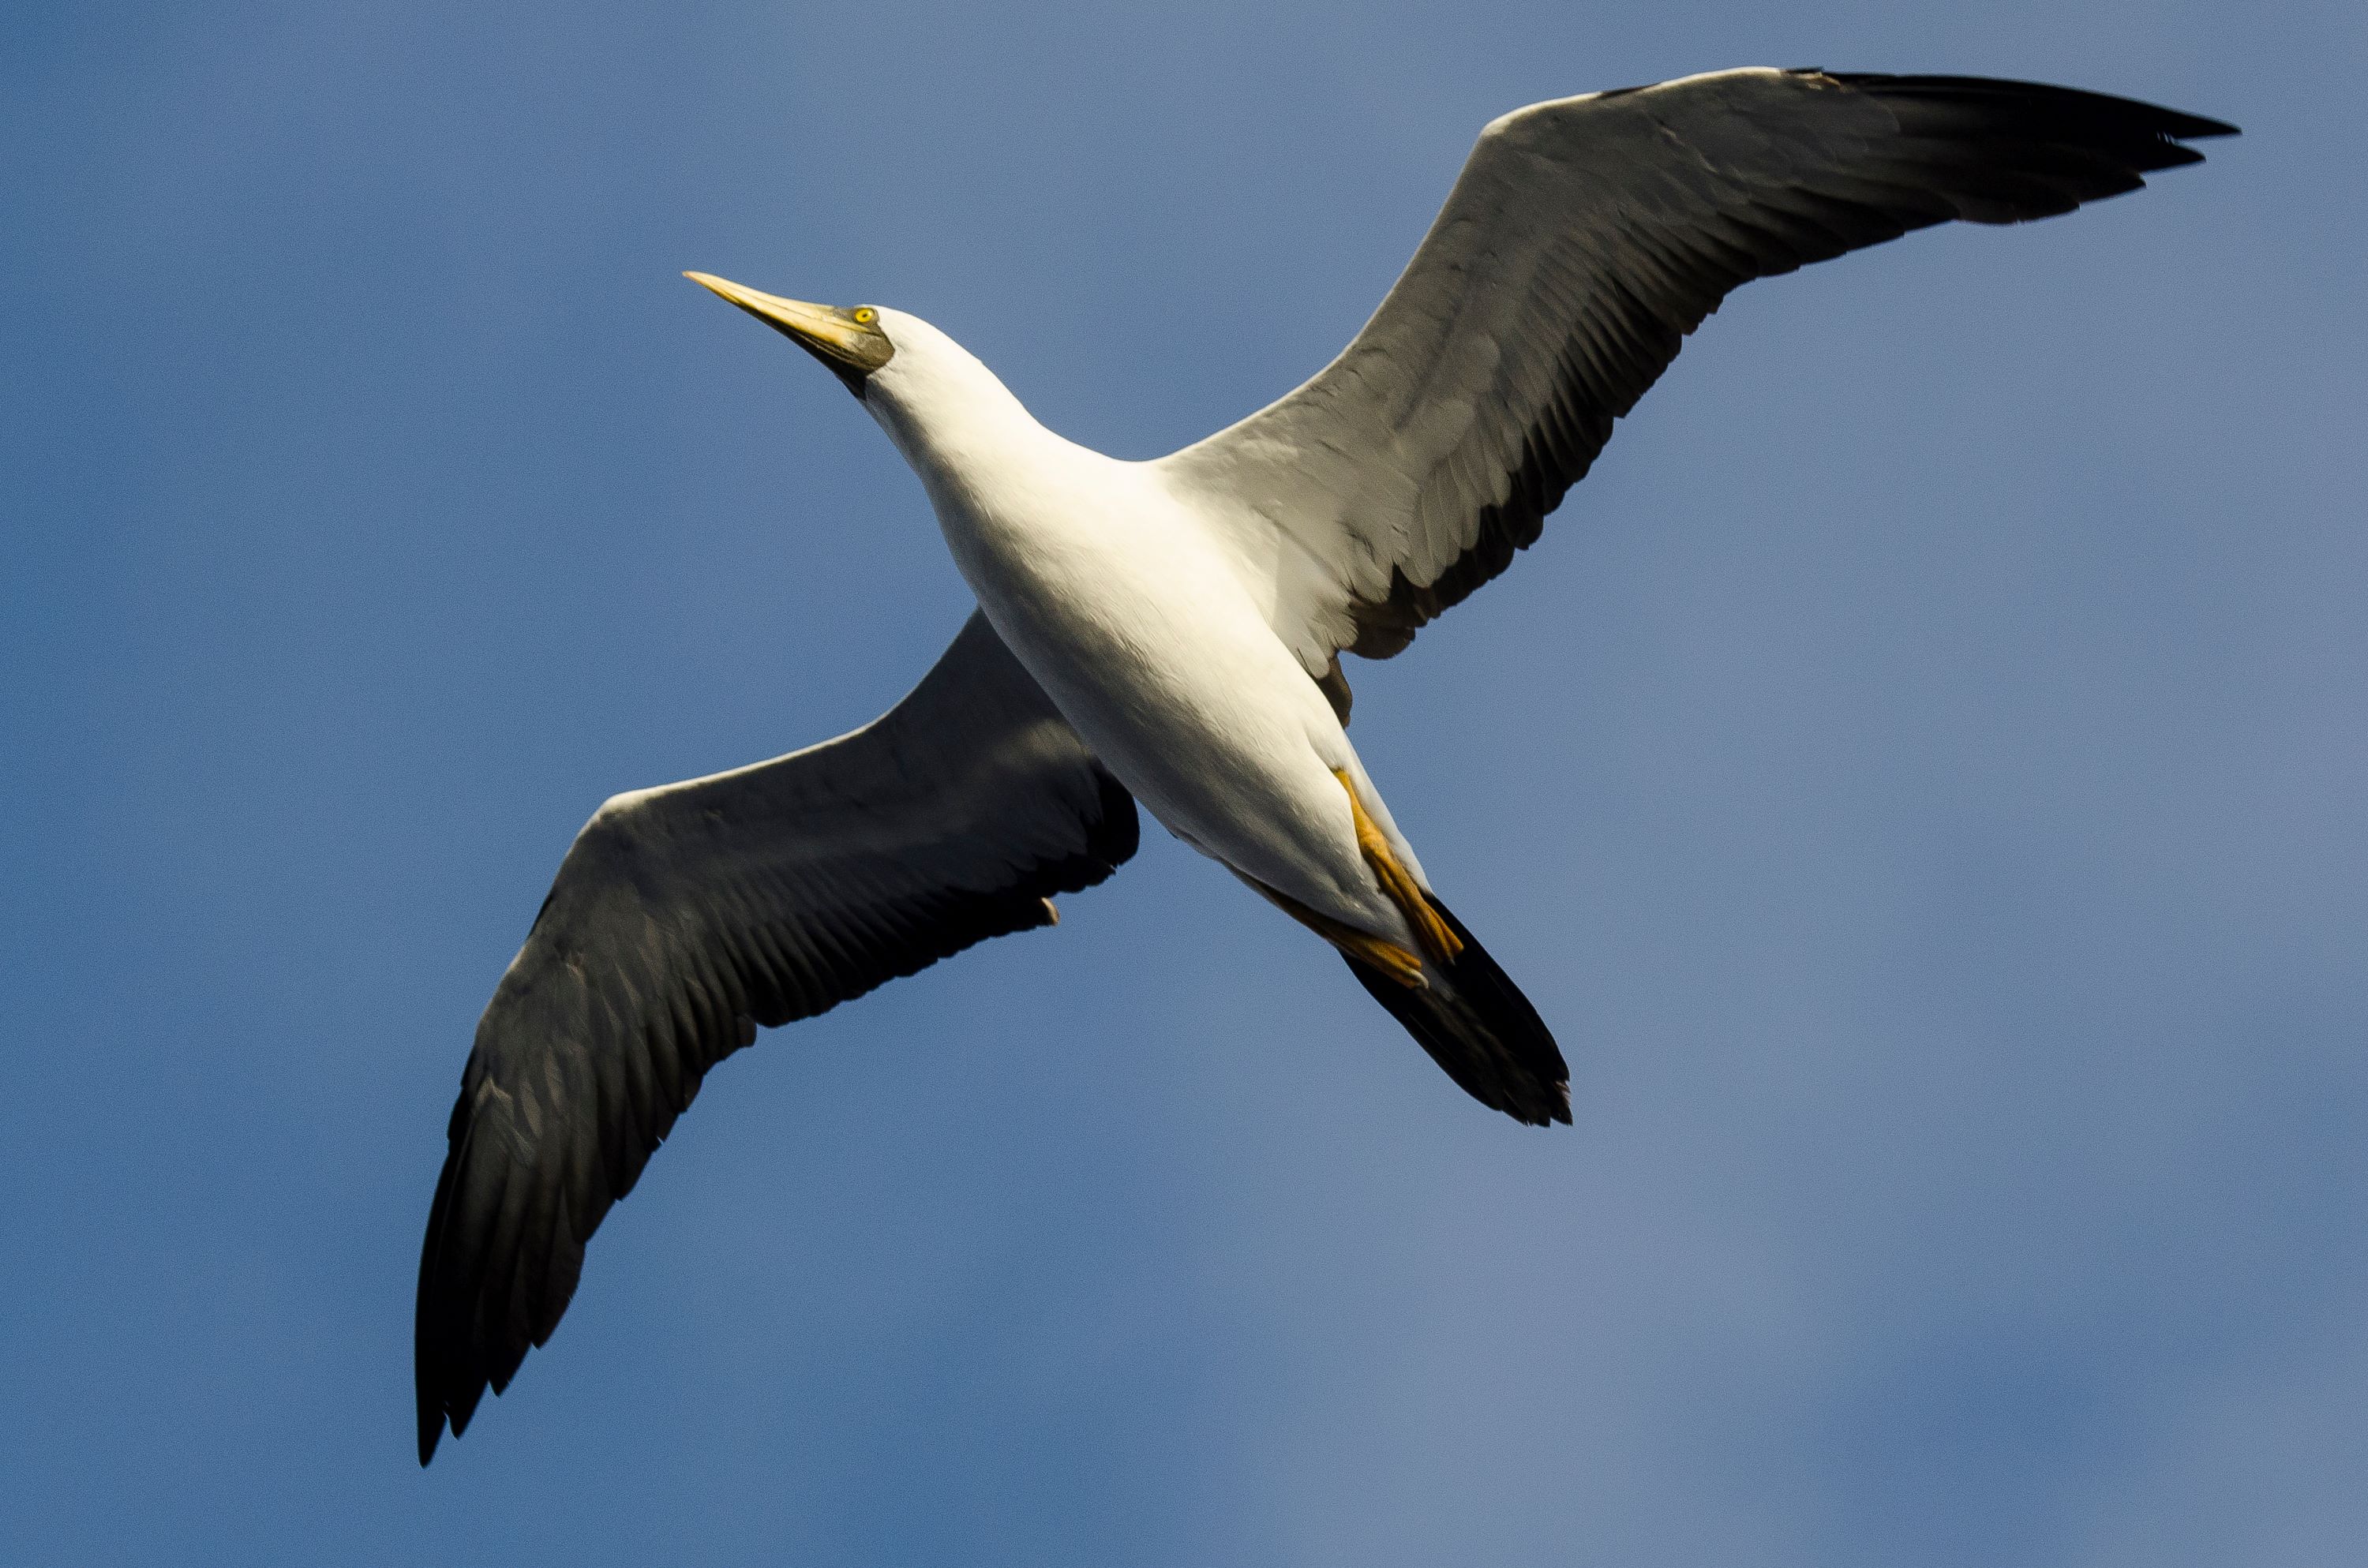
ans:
(960, 428)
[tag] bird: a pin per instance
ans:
(1169, 633)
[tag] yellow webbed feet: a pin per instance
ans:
(1440, 942)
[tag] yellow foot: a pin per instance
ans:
(1388, 957)
(1432, 932)
(1372, 951)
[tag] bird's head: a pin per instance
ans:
(853, 344)
(925, 391)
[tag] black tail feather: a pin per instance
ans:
(1481, 1031)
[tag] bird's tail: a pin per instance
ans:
(1478, 1027)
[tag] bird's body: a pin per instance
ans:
(1170, 632)
(1135, 611)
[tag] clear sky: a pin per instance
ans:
(1920, 776)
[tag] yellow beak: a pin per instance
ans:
(850, 342)
(817, 325)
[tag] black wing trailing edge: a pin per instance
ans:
(1584, 240)
(1967, 148)
(685, 917)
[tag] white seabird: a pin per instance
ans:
(1170, 632)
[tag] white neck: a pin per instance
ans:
(946, 412)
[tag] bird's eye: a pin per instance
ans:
(863, 315)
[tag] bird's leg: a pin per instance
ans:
(1440, 942)
(1374, 952)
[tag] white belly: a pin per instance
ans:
(1138, 626)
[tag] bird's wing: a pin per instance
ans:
(1584, 240)
(683, 917)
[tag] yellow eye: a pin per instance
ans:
(863, 315)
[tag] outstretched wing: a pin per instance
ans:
(1584, 240)
(685, 916)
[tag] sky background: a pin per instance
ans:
(1920, 776)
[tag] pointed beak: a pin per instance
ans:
(850, 342)
(814, 326)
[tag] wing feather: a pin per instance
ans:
(684, 917)
(1584, 240)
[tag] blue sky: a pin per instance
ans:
(1920, 775)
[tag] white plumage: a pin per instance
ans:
(1128, 597)
(1170, 631)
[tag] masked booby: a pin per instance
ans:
(1169, 632)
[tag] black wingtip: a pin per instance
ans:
(431, 1406)
(434, 1374)
(2082, 114)
(424, 1368)
(1481, 1030)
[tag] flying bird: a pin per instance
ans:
(1169, 633)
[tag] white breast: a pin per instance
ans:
(1140, 621)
